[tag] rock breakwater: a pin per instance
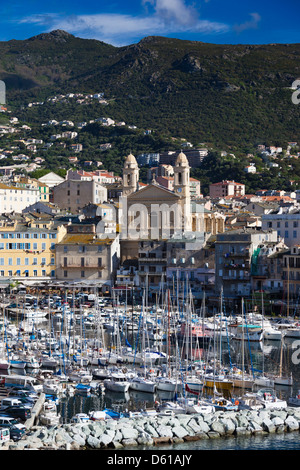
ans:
(154, 430)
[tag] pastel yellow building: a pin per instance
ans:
(27, 247)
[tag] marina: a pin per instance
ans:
(87, 366)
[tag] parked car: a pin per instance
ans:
(9, 401)
(14, 433)
(19, 393)
(18, 411)
(17, 429)
(4, 435)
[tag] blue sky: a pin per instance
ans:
(126, 22)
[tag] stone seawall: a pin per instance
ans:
(154, 430)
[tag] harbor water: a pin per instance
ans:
(268, 356)
(258, 356)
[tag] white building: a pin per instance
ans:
(286, 223)
(15, 199)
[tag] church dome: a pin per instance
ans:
(182, 160)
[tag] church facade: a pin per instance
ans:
(153, 213)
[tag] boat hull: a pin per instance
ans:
(147, 387)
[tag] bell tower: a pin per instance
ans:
(182, 188)
(130, 175)
(182, 176)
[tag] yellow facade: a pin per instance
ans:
(27, 249)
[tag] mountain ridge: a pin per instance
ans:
(221, 93)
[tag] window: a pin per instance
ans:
(10, 261)
(65, 261)
(1, 261)
(65, 249)
(99, 262)
(18, 261)
(43, 261)
(35, 272)
(26, 261)
(43, 272)
(82, 274)
(65, 273)
(82, 262)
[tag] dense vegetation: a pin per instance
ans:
(226, 97)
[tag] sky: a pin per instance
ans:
(121, 22)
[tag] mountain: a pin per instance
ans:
(225, 95)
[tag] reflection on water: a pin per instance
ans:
(255, 357)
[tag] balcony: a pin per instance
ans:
(152, 260)
(241, 254)
(80, 266)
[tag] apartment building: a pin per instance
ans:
(15, 198)
(73, 195)
(84, 256)
(287, 224)
(235, 251)
(25, 182)
(291, 273)
(226, 188)
(27, 248)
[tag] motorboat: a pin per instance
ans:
(272, 334)
(294, 401)
(80, 375)
(117, 382)
(16, 362)
(80, 418)
(267, 397)
(168, 384)
(142, 384)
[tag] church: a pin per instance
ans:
(152, 213)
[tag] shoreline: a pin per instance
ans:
(145, 432)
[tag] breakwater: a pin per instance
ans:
(143, 432)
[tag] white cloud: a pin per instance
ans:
(174, 11)
(166, 17)
(251, 24)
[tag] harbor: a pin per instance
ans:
(88, 361)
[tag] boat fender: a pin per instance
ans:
(236, 402)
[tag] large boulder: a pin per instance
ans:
(268, 425)
(291, 423)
